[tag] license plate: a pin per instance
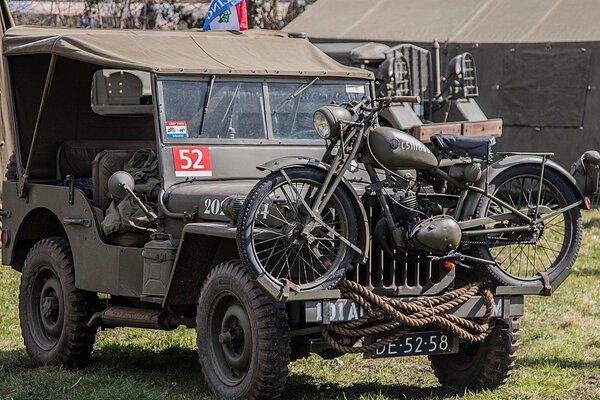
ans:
(415, 344)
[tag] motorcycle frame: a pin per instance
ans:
(356, 137)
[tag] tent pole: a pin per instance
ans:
(49, 76)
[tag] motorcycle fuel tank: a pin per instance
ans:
(395, 149)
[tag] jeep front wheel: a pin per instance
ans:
(243, 337)
(53, 312)
(485, 365)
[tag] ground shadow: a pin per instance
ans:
(144, 366)
(591, 223)
(300, 384)
(138, 365)
(535, 362)
(587, 271)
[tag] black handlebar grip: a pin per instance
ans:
(406, 99)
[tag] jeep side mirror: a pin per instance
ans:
(121, 185)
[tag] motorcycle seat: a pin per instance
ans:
(455, 146)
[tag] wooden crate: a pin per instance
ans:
(424, 132)
(491, 127)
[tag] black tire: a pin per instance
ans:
(549, 256)
(253, 364)
(53, 312)
(477, 366)
(11, 169)
(322, 265)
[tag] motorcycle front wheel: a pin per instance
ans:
(550, 248)
(278, 238)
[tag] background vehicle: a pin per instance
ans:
(211, 106)
(448, 90)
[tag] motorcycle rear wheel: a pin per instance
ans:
(270, 238)
(551, 249)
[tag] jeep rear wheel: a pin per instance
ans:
(486, 365)
(53, 312)
(243, 337)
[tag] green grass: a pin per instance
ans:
(559, 356)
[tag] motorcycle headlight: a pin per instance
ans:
(321, 125)
(326, 121)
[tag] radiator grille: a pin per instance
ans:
(386, 276)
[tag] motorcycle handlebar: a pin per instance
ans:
(366, 101)
(399, 99)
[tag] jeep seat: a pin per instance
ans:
(75, 157)
(105, 164)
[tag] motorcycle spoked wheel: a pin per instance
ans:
(552, 248)
(269, 235)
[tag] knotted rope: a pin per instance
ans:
(393, 318)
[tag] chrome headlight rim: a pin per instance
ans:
(333, 115)
(322, 124)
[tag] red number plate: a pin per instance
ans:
(192, 161)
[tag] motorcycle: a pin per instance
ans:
(517, 220)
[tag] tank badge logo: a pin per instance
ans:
(394, 144)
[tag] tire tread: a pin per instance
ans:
(79, 338)
(273, 335)
(492, 368)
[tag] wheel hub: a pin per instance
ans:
(232, 337)
(46, 309)
(294, 235)
(50, 307)
(231, 340)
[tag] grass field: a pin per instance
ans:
(559, 356)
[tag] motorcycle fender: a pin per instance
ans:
(496, 168)
(359, 209)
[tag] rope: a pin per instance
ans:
(393, 318)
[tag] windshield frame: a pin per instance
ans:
(269, 139)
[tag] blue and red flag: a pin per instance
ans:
(226, 15)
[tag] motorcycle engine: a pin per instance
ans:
(423, 224)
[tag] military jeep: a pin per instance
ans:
(133, 153)
(449, 92)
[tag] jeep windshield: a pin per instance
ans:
(195, 110)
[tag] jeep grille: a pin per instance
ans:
(386, 276)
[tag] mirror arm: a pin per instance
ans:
(149, 213)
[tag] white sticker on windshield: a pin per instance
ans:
(355, 89)
(176, 129)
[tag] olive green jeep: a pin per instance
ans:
(133, 153)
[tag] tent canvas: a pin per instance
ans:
(456, 21)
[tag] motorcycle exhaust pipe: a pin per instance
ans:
(131, 317)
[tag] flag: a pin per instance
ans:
(227, 15)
